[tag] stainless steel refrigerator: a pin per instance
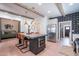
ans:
(51, 30)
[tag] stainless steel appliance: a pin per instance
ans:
(51, 30)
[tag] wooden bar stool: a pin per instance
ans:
(20, 39)
(23, 44)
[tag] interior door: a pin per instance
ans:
(66, 36)
(65, 33)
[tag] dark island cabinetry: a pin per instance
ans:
(37, 44)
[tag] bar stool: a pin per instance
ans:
(23, 44)
(20, 39)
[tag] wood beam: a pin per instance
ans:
(60, 8)
(15, 13)
(29, 10)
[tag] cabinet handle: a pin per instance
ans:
(38, 42)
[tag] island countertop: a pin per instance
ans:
(34, 35)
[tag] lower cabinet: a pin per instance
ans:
(37, 44)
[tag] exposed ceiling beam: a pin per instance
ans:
(60, 8)
(15, 13)
(37, 13)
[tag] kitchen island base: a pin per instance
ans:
(37, 44)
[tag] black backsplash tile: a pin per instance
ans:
(75, 21)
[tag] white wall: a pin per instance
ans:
(40, 25)
(23, 28)
(10, 16)
(53, 21)
(43, 25)
(33, 28)
(75, 36)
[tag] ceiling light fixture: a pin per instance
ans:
(49, 11)
(39, 4)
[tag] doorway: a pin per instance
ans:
(65, 34)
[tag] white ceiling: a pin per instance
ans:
(16, 9)
(70, 8)
(42, 9)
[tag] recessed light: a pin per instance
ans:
(71, 4)
(49, 11)
(39, 4)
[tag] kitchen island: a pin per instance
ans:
(36, 42)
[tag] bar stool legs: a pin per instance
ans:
(20, 43)
(23, 45)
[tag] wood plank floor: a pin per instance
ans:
(8, 48)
